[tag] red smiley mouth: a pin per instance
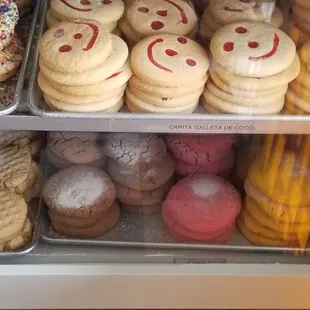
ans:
(74, 7)
(276, 41)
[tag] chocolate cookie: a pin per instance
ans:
(79, 191)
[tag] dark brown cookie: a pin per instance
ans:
(149, 209)
(134, 150)
(101, 227)
(142, 180)
(79, 191)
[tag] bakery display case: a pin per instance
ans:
(154, 154)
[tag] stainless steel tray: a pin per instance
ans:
(17, 84)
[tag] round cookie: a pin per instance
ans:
(115, 60)
(162, 16)
(203, 204)
(252, 49)
(103, 11)
(79, 191)
(8, 20)
(151, 60)
(134, 150)
(75, 47)
(142, 180)
(270, 82)
(76, 147)
(230, 11)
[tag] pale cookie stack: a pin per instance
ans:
(253, 64)
(107, 12)
(15, 226)
(298, 94)
(81, 202)
(141, 169)
(84, 68)
(170, 73)
(300, 30)
(144, 18)
(221, 13)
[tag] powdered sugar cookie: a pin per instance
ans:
(75, 47)
(8, 20)
(269, 82)
(169, 60)
(96, 75)
(252, 49)
(103, 11)
(51, 20)
(162, 16)
(230, 11)
(116, 80)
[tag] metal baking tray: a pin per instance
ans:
(16, 84)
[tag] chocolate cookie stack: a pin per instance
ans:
(141, 169)
(220, 13)
(81, 202)
(202, 154)
(70, 81)
(247, 76)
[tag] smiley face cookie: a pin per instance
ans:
(169, 60)
(104, 11)
(149, 17)
(252, 49)
(75, 47)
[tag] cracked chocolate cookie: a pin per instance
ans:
(134, 150)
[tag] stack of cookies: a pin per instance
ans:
(253, 64)
(170, 73)
(277, 206)
(298, 94)
(81, 202)
(202, 208)
(141, 169)
(65, 149)
(144, 18)
(107, 12)
(204, 154)
(84, 68)
(300, 30)
(11, 48)
(220, 13)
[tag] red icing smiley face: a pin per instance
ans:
(83, 5)
(168, 15)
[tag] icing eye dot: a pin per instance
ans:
(162, 12)
(170, 52)
(78, 36)
(182, 40)
(143, 10)
(228, 46)
(85, 2)
(157, 25)
(107, 2)
(59, 33)
(65, 48)
(253, 44)
(191, 62)
(241, 30)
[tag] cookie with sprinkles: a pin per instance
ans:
(8, 20)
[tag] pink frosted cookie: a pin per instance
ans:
(195, 156)
(203, 204)
(220, 167)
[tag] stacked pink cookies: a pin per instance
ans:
(220, 13)
(202, 208)
(144, 18)
(65, 149)
(169, 75)
(253, 64)
(84, 68)
(107, 12)
(203, 154)
(141, 169)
